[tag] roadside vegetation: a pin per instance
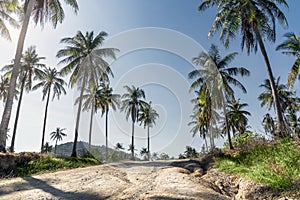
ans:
(50, 163)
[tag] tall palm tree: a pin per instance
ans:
(41, 11)
(30, 68)
(147, 116)
(106, 99)
(57, 135)
(50, 79)
(131, 104)
(225, 74)
(8, 7)
(85, 62)
(254, 20)
(237, 117)
(291, 46)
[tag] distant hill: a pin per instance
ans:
(98, 152)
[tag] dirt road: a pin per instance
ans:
(125, 180)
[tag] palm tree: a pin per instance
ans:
(50, 79)
(294, 123)
(131, 104)
(84, 60)
(8, 7)
(269, 124)
(30, 69)
(119, 146)
(221, 72)
(147, 116)
(144, 153)
(47, 148)
(254, 20)
(285, 96)
(106, 99)
(237, 117)
(202, 116)
(291, 46)
(57, 136)
(190, 152)
(42, 11)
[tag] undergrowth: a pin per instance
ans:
(277, 165)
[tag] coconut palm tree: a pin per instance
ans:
(30, 68)
(202, 118)
(237, 117)
(285, 96)
(8, 7)
(47, 148)
(269, 124)
(255, 21)
(144, 153)
(50, 79)
(220, 73)
(119, 146)
(41, 11)
(147, 116)
(291, 46)
(106, 99)
(84, 59)
(131, 104)
(57, 135)
(190, 152)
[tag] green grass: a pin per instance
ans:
(52, 163)
(276, 165)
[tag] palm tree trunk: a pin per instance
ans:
(148, 138)
(211, 137)
(74, 153)
(227, 131)
(45, 120)
(91, 126)
(205, 140)
(55, 146)
(132, 141)
(13, 79)
(280, 125)
(106, 132)
(12, 146)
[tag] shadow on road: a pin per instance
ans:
(34, 183)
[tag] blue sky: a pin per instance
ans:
(162, 73)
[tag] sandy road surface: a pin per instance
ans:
(125, 180)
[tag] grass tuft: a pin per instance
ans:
(276, 165)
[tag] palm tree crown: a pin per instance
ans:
(57, 135)
(291, 46)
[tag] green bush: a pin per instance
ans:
(245, 140)
(276, 165)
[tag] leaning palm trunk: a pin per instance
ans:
(74, 152)
(148, 139)
(91, 126)
(14, 75)
(45, 121)
(106, 132)
(12, 146)
(280, 126)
